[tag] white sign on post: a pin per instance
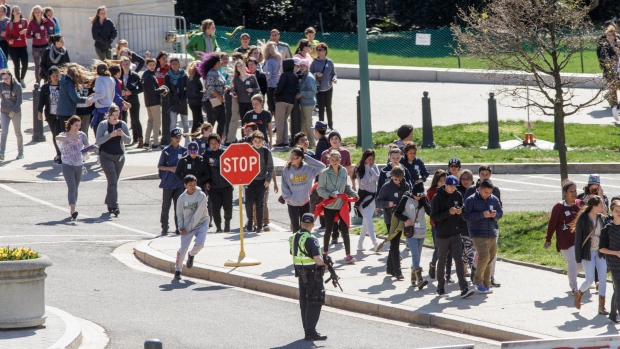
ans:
(423, 39)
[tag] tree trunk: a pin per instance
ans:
(561, 139)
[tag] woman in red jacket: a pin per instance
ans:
(16, 36)
(562, 215)
(38, 28)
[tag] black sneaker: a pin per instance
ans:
(315, 337)
(495, 283)
(431, 270)
(449, 279)
(441, 292)
(248, 227)
(259, 230)
(227, 227)
(164, 232)
(177, 275)
(218, 230)
(467, 292)
(334, 241)
(177, 232)
(116, 212)
(190, 261)
(74, 215)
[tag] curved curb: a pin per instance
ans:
(161, 261)
(72, 338)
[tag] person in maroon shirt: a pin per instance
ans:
(37, 31)
(16, 36)
(562, 214)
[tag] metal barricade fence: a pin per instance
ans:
(154, 33)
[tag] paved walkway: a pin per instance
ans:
(531, 303)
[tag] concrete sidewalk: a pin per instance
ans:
(531, 303)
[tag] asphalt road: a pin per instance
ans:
(134, 302)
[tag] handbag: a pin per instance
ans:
(408, 231)
(215, 102)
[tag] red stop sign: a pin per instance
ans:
(240, 164)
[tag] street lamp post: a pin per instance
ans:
(364, 83)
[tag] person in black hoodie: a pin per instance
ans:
(446, 210)
(152, 101)
(220, 191)
(192, 164)
(176, 80)
(131, 88)
(195, 91)
(252, 64)
(49, 100)
(285, 100)
(388, 199)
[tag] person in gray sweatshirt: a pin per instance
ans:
(297, 178)
(193, 218)
(255, 191)
(11, 94)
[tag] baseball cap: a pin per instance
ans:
(452, 180)
(454, 161)
(176, 132)
(307, 218)
(320, 126)
(296, 60)
(418, 189)
(192, 148)
(404, 131)
(304, 62)
(245, 34)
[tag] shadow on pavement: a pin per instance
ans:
(300, 344)
(65, 221)
(212, 288)
(274, 274)
(599, 114)
(176, 285)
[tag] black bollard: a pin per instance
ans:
(153, 344)
(358, 143)
(37, 125)
(493, 123)
(295, 122)
(165, 121)
(428, 140)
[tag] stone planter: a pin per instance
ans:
(22, 292)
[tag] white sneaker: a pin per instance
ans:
(614, 112)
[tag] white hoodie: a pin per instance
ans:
(192, 210)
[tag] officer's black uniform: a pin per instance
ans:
(311, 287)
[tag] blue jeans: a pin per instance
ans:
(436, 255)
(600, 264)
(415, 245)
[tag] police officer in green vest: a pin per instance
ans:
(309, 268)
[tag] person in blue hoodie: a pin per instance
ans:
(171, 185)
(482, 211)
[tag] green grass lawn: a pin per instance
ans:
(590, 61)
(589, 143)
(521, 237)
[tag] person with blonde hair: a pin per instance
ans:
(38, 29)
(122, 50)
(103, 32)
(205, 42)
(271, 68)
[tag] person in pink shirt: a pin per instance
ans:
(37, 31)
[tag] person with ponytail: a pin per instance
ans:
(563, 215)
(367, 174)
(38, 29)
(587, 228)
(297, 178)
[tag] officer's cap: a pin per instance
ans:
(307, 218)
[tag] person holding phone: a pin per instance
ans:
(482, 211)
(112, 136)
(594, 188)
(73, 143)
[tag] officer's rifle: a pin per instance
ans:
(332, 273)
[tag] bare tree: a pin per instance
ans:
(529, 43)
